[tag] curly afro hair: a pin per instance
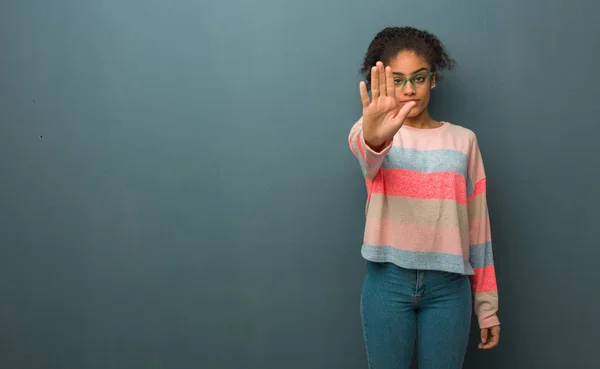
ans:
(392, 40)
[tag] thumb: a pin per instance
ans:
(403, 113)
(484, 335)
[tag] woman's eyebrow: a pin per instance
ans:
(417, 71)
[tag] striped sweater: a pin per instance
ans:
(426, 207)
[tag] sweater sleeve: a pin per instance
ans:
(481, 256)
(370, 161)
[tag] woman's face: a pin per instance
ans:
(405, 65)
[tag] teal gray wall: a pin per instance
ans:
(177, 189)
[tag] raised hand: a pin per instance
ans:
(382, 115)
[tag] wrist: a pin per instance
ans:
(375, 145)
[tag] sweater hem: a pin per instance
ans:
(417, 260)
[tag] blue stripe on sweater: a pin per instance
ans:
(426, 161)
(417, 260)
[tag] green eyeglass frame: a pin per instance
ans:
(427, 75)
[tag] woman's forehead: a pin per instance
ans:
(408, 63)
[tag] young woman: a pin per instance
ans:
(427, 235)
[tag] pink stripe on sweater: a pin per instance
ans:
(476, 170)
(411, 236)
(480, 188)
(360, 147)
(480, 231)
(484, 279)
(407, 183)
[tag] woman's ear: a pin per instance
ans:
(433, 79)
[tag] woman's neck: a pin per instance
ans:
(422, 121)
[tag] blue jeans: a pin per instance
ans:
(403, 310)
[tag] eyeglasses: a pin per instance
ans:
(418, 80)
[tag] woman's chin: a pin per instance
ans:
(415, 112)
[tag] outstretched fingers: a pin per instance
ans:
(382, 82)
(389, 82)
(364, 95)
(374, 83)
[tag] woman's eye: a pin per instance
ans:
(398, 81)
(420, 79)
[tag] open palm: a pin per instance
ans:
(382, 115)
